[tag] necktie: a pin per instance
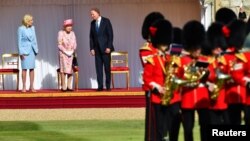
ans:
(96, 26)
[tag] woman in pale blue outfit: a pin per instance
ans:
(28, 49)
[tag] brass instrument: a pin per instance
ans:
(221, 78)
(171, 81)
(193, 74)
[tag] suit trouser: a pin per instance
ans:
(103, 60)
(188, 123)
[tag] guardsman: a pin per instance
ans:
(154, 78)
(247, 84)
(247, 54)
(174, 111)
(216, 43)
(147, 51)
(234, 65)
(194, 95)
(247, 66)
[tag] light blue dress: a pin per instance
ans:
(27, 46)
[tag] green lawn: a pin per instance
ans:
(84, 130)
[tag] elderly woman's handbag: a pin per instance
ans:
(75, 62)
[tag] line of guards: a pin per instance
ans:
(209, 75)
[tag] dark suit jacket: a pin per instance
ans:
(242, 15)
(103, 38)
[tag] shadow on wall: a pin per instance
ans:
(52, 80)
(45, 76)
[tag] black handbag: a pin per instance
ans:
(75, 62)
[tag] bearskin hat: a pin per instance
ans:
(177, 37)
(161, 33)
(235, 33)
(148, 21)
(215, 37)
(193, 35)
(225, 15)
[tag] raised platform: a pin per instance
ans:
(83, 98)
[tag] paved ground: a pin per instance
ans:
(71, 114)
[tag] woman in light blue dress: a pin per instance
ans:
(28, 49)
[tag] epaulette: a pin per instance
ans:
(221, 59)
(211, 60)
(145, 47)
(150, 60)
(241, 56)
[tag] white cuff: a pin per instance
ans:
(69, 53)
(246, 79)
(155, 85)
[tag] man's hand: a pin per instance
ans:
(107, 50)
(92, 52)
(211, 86)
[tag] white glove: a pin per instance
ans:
(211, 86)
(69, 53)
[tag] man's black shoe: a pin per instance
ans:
(108, 89)
(99, 89)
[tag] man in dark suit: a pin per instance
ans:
(242, 14)
(101, 46)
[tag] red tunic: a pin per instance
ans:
(234, 66)
(219, 103)
(247, 71)
(145, 52)
(192, 97)
(154, 77)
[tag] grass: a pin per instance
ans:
(86, 130)
(80, 130)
